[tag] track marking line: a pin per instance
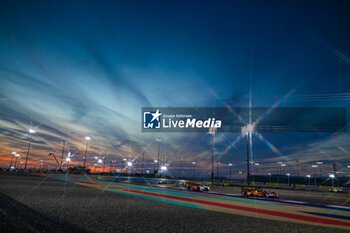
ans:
(339, 206)
(295, 201)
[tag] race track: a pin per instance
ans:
(59, 203)
(279, 210)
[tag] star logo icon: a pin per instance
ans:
(156, 115)
(151, 119)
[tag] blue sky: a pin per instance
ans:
(87, 68)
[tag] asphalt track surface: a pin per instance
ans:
(78, 204)
(312, 197)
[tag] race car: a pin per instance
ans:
(197, 187)
(270, 194)
(255, 192)
(336, 190)
(252, 192)
(162, 182)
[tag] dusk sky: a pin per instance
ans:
(86, 68)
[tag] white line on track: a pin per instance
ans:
(339, 206)
(294, 201)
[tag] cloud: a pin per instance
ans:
(329, 150)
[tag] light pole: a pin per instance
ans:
(16, 155)
(68, 159)
(282, 167)
(158, 140)
(248, 162)
(193, 164)
(230, 165)
(156, 163)
(315, 166)
(308, 178)
(64, 144)
(288, 174)
(99, 161)
(104, 164)
(96, 162)
(332, 176)
(130, 167)
(164, 169)
(257, 168)
(180, 167)
(41, 164)
(279, 165)
(269, 174)
(246, 131)
(123, 161)
(212, 131)
(86, 148)
(31, 132)
(13, 154)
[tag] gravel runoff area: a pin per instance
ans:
(38, 204)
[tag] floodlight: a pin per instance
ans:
(32, 131)
(212, 130)
(249, 128)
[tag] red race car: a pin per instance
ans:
(255, 192)
(197, 187)
(252, 192)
